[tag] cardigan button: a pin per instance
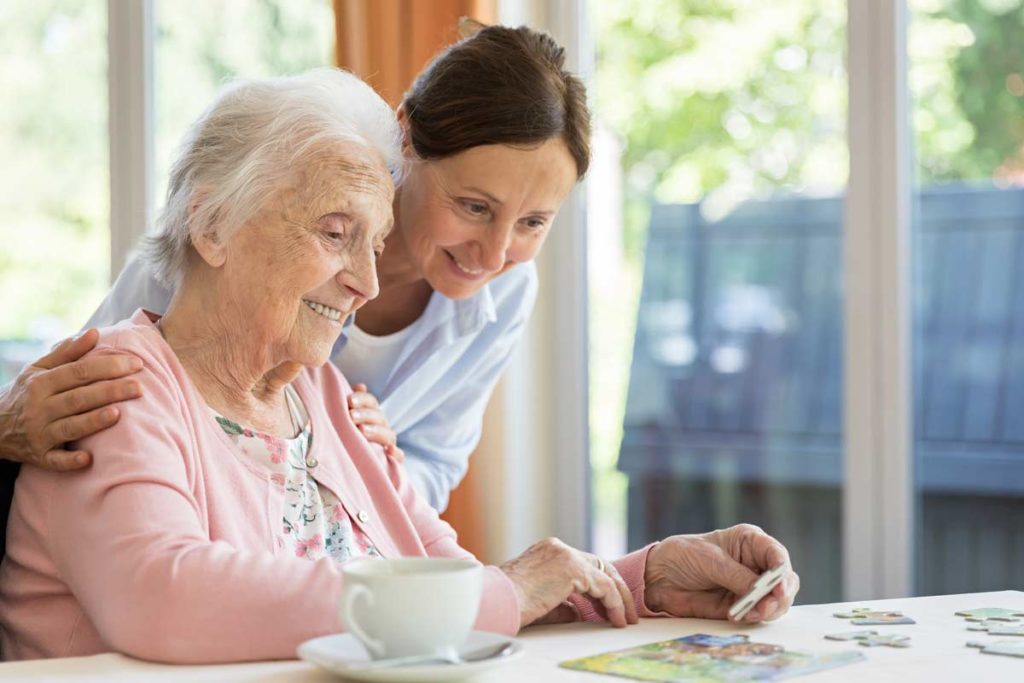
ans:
(363, 517)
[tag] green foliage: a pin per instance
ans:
(988, 77)
(722, 100)
(202, 45)
(54, 202)
(733, 99)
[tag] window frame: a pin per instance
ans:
(130, 39)
(878, 512)
(877, 490)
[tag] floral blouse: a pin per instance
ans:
(315, 522)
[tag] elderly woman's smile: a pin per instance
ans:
(325, 311)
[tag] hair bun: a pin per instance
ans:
(469, 26)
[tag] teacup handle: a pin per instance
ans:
(353, 593)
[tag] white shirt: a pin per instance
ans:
(368, 355)
(433, 390)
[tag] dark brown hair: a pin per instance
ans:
(499, 86)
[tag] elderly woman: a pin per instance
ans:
(215, 519)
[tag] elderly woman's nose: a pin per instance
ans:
(361, 277)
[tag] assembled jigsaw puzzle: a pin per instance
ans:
(710, 659)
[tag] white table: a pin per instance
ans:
(938, 651)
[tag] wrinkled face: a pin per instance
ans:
(468, 218)
(307, 260)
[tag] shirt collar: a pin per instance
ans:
(464, 316)
(473, 313)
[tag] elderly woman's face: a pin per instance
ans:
(308, 259)
(468, 218)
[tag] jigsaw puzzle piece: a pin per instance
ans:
(998, 629)
(851, 635)
(999, 613)
(863, 616)
(1009, 648)
(890, 640)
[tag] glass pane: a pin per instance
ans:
(715, 271)
(54, 183)
(967, 83)
(201, 45)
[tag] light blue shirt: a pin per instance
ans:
(435, 394)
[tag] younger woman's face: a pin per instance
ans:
(466, 219)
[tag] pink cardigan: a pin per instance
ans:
(169, 547)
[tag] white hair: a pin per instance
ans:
(247, 145)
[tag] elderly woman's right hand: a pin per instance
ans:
(63, 397)
(549, 571)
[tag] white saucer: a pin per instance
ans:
(343, 654)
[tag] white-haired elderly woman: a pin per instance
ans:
(213, 523)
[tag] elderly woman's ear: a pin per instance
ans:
(209, 247)
(204, 237)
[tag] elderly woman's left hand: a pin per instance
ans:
(702, 575)
(370, 420)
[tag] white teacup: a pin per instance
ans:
(411, 605)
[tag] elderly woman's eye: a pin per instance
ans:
(475, 208)
(535, 223)
(332, 226)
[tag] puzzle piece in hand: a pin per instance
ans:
(872, 638)
(998, 628)
(999, 613)
(1010, 648)
(863, 616)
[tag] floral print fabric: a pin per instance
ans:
(315, 523)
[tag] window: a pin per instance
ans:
(200, 46)
(716, 318)
(54, 186)
(55, 199)
(725, 125)
(966, 75)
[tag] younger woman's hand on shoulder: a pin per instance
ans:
(63, 397)
(371, 421)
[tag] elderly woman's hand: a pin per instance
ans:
(703, 575)
(64, 397)
(550, 571)
(371, 421)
